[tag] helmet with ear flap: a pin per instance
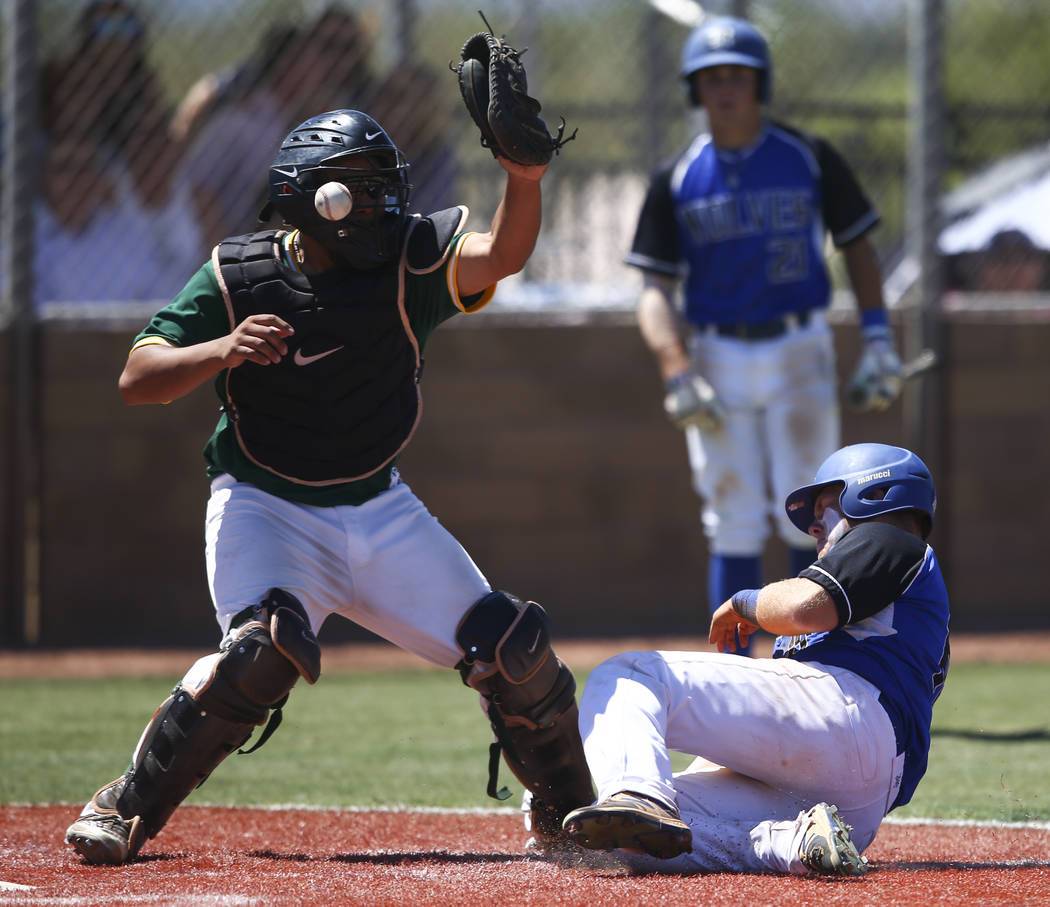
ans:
(348, 147)
(876, 479)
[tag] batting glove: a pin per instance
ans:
(877, 382)
(690, 400)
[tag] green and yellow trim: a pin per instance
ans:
(152, 340)
(453, 287)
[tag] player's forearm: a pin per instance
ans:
(795, 606)
(516, 224)
(487, 258)
(160, 373)
(865, 275)
(659, 326)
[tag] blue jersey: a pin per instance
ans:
(746, 228)
(893, 630)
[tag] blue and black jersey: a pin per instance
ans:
(893, 630)
(746, 228)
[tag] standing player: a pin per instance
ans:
(313, 335)
(750, 376)
(841, 714)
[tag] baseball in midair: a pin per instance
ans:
(333, 201)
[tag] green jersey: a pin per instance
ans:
(199, 314)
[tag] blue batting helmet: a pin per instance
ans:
(900, 476)
(724, 40)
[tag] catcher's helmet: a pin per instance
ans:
(348, 147)
(725, 40)
(903, 479)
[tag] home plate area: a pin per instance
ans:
(265, 856)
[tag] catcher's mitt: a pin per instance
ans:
(494, 88)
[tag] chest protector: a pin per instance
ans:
(345, 399)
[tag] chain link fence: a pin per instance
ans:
(134, 134)
(155, 121)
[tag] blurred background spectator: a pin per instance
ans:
(236, 118)
(175, 92)
(414, 104)
(1012, 263)
(114, 221)
(92, 242)
(229, 84)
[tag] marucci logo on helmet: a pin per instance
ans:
(882, 474)
(901, 474)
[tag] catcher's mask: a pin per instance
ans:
(723, 40)
(348, 147)
(876, 479)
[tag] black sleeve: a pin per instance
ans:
(847, 211)
(655, 246)
(868, 569)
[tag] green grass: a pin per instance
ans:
(990, 756)
(416, 738)
(420, 738)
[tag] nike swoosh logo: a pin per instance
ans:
(535, 642)
(290, 172)
(371, 135)
(300, 359)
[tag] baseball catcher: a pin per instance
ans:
(495, 89)
(312, 334)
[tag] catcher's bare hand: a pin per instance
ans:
(726, 626)
(258, 339)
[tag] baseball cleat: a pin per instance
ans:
(827, 847)
(631, 822)
(101, 835)
(101, 839)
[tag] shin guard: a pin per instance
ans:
(213, 711)
(531, 704)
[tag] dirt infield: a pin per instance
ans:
(224, 856)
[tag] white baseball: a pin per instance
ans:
(333, 201)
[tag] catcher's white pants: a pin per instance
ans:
(782, 422)
(387, 565)
(773, 737)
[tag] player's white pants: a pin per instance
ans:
(388, 565)
(773, 737)
(782, 422)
